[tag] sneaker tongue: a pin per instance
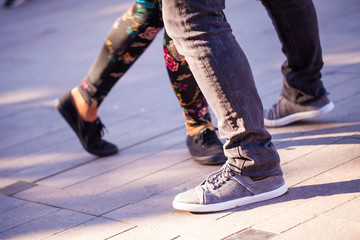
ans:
(224, 172)
(95, 131)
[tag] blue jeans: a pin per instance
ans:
(221, 69)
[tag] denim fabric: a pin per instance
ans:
(202, 34)
(222, 71)
(296, 24)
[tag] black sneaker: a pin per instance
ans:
(89, 133)
(205, 147)
(285, 112)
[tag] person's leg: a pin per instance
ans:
(129, 37)
(221, 69)
(202, 141)
(303, 94)
(127, 40)
(187, 91)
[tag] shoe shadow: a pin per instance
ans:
(321, 136)
(308, 192)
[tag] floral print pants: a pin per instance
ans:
(128, 38)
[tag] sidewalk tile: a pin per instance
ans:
(8, 203)
(98, 228)
(47, 225)
(23, 214)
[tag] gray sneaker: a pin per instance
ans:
(285, 112)
(226, 189)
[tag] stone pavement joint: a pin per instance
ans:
(17, 187)
(251, 234)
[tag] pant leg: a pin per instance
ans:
(223, 73)
(129, 37)
(192, 101)
(296, 24)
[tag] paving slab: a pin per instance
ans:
(46, 226)
(149, 232)
(347, 212)
(80, 202)
(9, 203)
(97, 228)
(91, 173)
(323, 228)
(23, 214)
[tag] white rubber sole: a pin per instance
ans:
(298, 116)
(232, 203)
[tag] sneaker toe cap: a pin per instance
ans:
(192, 196)
(103, 149)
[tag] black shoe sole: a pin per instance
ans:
(210, 160)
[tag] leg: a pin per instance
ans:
(187, 91)
(202, 141)
(127, 40)
(303, 91)
(222, 71)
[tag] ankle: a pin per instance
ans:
(195, 130)
(86, 112)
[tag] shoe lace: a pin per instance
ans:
(101, 127)
(218, 178)
(206, 136)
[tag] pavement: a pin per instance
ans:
(50, 188)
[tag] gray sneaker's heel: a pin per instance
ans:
(285, 112)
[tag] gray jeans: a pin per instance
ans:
(296, 25)
(221, 69)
